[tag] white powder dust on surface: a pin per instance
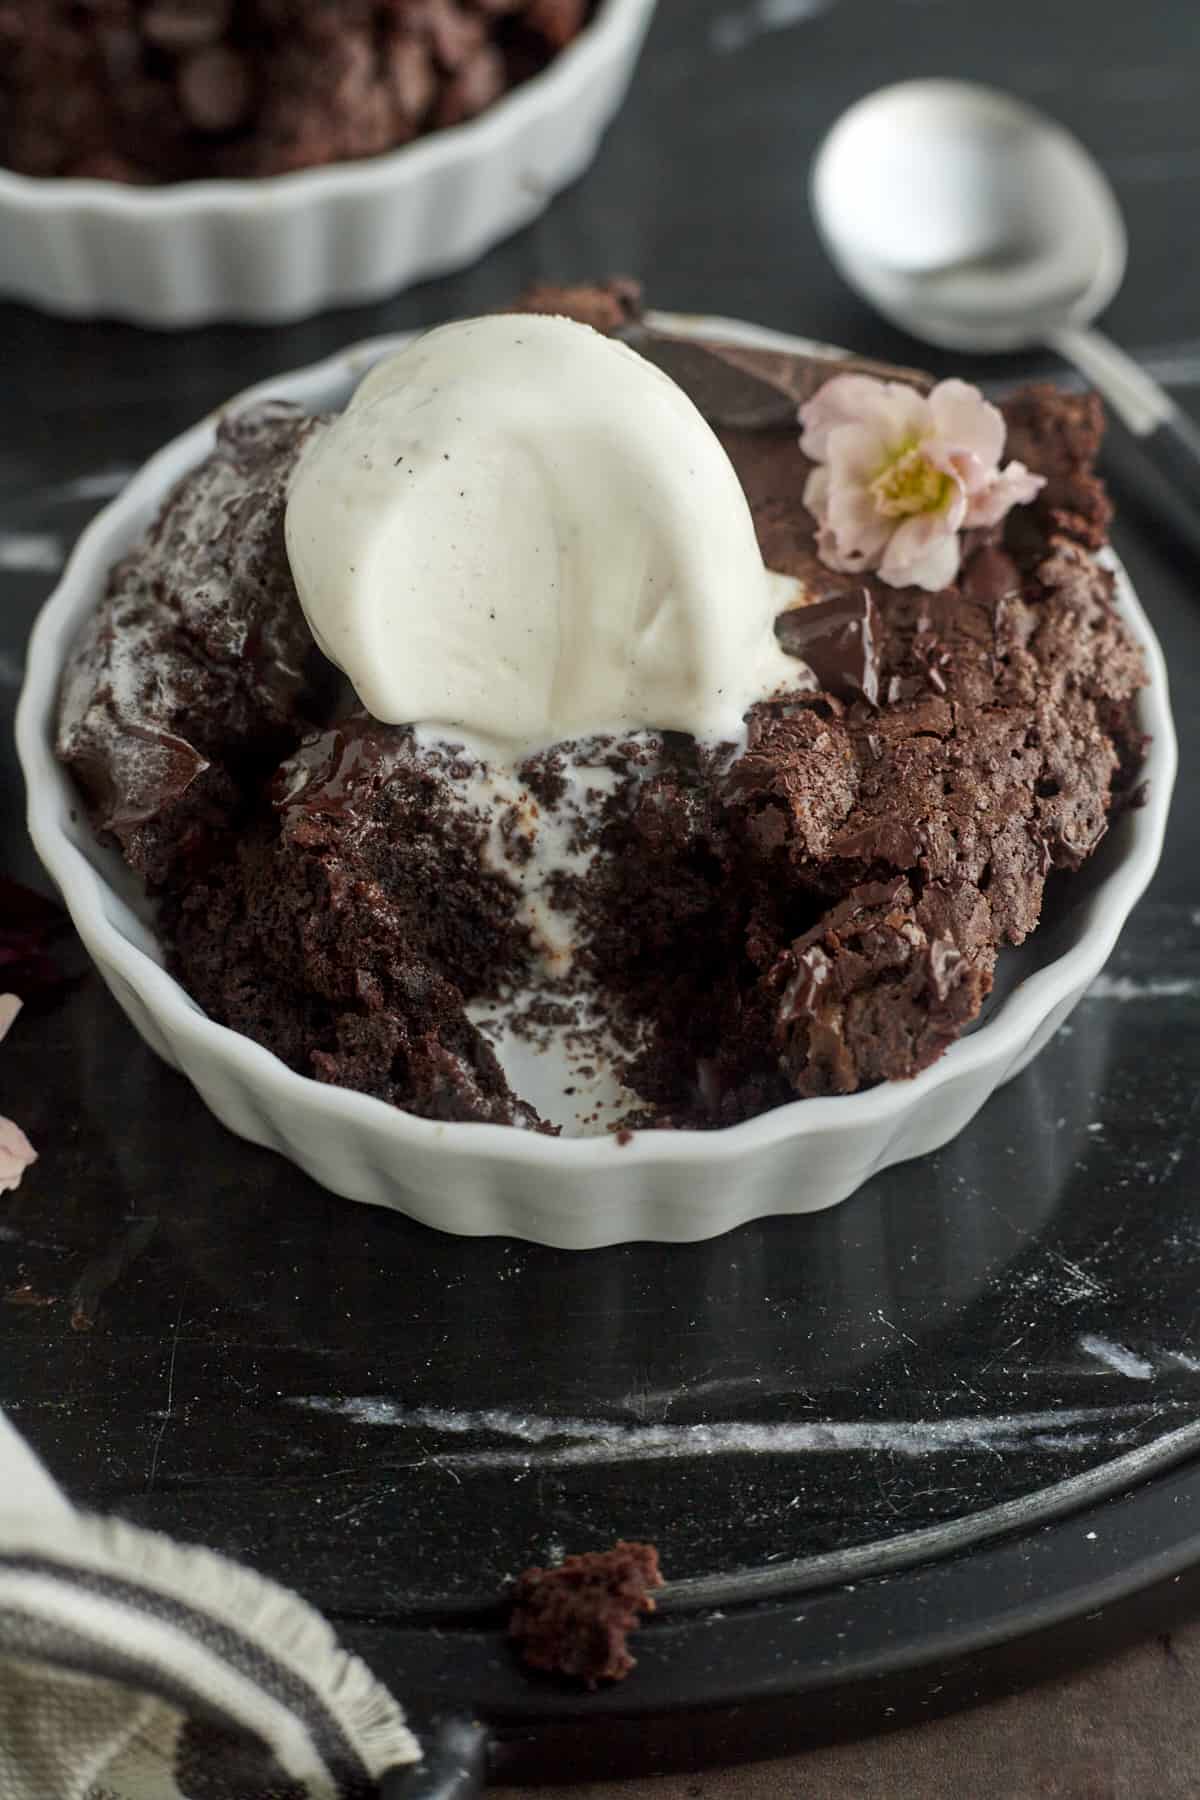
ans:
(1123, 987)
(31, 552)
(103, 484)
(1116, 1357)
(732, 31)
(1075, 1281)
(570, 1442)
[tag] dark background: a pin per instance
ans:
(1024, 1303)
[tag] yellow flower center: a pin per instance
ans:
(910, 483)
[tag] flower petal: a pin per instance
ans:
(16, 1154)
(893, 411)
(966, 468)
(10, 1006)
(964, 420)
(816, 493)
(860, 529)
(1013, 486)
(840, 401)
(851, 562)
(858, 452)
(924, 552)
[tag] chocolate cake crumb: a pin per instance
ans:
(1059, 434)
(575, 1619)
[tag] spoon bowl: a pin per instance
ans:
(967, 218)
(974, 223)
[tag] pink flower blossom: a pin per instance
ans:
(16, 1151)
(16, 1154)
(899, 474)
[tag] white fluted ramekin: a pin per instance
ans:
(672, 1185)
(268, 251)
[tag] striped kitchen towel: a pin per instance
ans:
(136, 1668)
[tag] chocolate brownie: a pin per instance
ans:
(176, 90)
(575, 1619)
(816, 912)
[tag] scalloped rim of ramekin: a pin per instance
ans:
(604, 37)
(995, 1045)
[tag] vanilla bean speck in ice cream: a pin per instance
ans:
(523, 531)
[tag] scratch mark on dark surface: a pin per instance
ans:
(166, 1418)
(569, 1442)
(899, 1332)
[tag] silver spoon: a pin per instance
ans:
(974, 223)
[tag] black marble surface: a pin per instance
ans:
(393, 1420)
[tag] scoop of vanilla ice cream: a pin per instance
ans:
(523, 531)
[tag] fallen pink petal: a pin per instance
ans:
(16, 1154)
(16, 1151)
(10, 1006)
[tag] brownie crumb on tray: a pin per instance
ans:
(816, 911)
(575, 1619)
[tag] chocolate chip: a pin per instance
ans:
(730, 397)
(412, 77)
(183, 25)
(991, 577)
(105, 165)
(558, 21)
(475, 87)
(122, 53)
(456, 36)
(215, 90)
(839, 640)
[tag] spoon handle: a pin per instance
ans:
(1166, 436)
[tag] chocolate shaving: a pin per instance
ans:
(839, 639)
(742, 389)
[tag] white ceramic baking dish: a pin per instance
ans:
(278, 249)
(671, 1185)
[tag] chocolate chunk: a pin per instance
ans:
(738, 388)
(477, 83)
(455, 35)
(557, 21)
(839, 639)
(888, 839)
(330, 773)
(413, 77)
(215, 89)
(884, 980)
(182, 25)
(726, 395)
(991, 577)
